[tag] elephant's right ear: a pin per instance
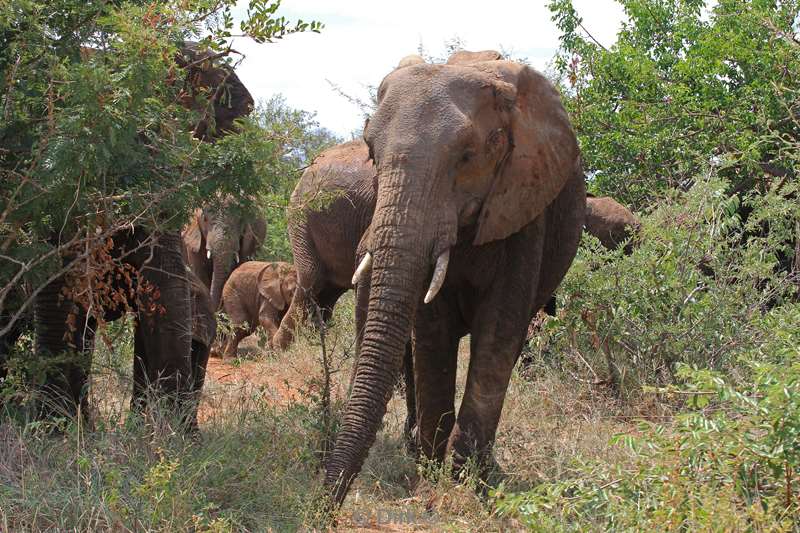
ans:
(192, 234)
(269, 287)
(543, 153)
(253, 237)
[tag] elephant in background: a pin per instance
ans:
(173, 322)
(219, 239)
(611, 222)
(174, 328)
(481, 199)
(257, 293)
(228, 97)
(331, 208)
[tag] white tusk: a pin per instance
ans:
(208, 254)
(438, 276)
(365, 265)
(237, 258)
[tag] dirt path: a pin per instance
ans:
(229, 382)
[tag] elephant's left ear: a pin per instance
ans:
(543, 155)
(289, 285)
(269, 287)
(192, 235)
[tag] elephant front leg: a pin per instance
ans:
(232, 343)
(435, 358)
(496, 343)
(297, 311)
(410, 390)
(165, 325)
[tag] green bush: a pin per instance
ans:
(729, 463)
(693, 291)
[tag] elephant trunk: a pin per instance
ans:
(399, 265)
(224, 251)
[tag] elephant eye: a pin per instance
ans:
(467, 156)
(495, 136)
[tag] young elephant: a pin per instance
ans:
(257, 293)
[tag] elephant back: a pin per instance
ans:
(609, 221)
(340, 168)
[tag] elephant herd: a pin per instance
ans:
(458, 213)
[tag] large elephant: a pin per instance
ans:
(173, 327)
(257, 294)
(218, 240)
(331, 208)
(481, 199)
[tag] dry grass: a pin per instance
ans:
(256, 465)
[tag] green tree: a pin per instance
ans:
(95, 133)
(297, 138)
(681, 89)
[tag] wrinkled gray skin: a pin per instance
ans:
(477, 158)
(219, 240)
(331, 208)
(170, 348)
(258, 293)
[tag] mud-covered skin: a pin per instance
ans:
(330, 209)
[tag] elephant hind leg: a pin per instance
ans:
(67, 364)
(200, 353)
(327, 299)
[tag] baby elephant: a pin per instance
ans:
(257, 293)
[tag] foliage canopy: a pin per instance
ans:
(683, 88)
(96, 134)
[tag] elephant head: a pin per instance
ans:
(278, 287)
(218, 85)
(466, 153)
(217, 240)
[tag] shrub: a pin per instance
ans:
(693, 291)
(729, 463)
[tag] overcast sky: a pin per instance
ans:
(363, 40)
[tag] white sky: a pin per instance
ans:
(363, 40)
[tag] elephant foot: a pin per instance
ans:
(281, 340)
(471, 460)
